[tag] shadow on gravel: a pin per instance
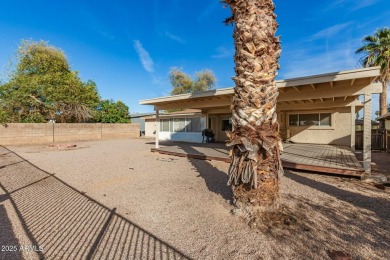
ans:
(215, 179)
(70, 225)
(373, 204)
(328, 225)
(8, 242)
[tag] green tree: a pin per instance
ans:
(109, 111)
(182, 83)
(43, 87)
(255, 171)
(376, 52)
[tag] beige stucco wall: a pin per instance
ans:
(217, 128)
(387, 124)
(150, 127)
(338, 133)
(21, 134)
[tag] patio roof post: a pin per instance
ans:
(367, 133)
(157, 127)
(353, 127)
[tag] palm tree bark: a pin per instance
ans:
(383, 99)
(256, 145)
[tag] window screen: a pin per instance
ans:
(179, 124)
(193, 125)
(308, 119)
(164, 125)
(293, 120)
(323, 119)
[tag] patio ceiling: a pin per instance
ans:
(337, 89)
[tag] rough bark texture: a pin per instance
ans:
(383, 99)
(256, 145)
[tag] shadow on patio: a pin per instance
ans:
(67, 223)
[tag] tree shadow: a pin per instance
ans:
(9, 243)
(353, 223)
(216, 180)
(71, 225)
(373, 204)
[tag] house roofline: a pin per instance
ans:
(293, 82)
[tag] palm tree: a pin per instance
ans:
(376, 50)
(256, 145)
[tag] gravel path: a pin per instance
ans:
(174, 207)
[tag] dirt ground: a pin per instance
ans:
(116, 199)
(380, 162)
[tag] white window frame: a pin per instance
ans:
(328, 127)
(187, 121)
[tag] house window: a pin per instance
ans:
(320, 119)
(164, 125)
(180, 125)
(226, 125)
(309, 119)
(193, 125)
(293, 119)
(325, 119)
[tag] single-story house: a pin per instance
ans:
(359, 124)
(139, 118)
(386, 119)
(316, 109)
(184, 125)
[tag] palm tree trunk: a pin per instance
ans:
(383, 99)
(256, 167)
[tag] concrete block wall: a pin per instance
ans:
(112, 131)
(77, 132)
(25, 134)
(17, 134)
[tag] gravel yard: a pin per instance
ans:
(179, 205)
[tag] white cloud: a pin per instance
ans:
(364, 3)
(352, 5)
(330, 31)
(223, 52)
(144, 56)
(175, 37)
(311, 60)
(209, 10)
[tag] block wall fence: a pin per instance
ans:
(25, 134)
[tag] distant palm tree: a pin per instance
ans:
(255, 169)
(376, 50)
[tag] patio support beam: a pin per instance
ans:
(338, 91)
(320, 105)
(367, 133)
(157, 127)
(353, 111)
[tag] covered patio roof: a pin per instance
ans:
(331, 90)
(336, 89)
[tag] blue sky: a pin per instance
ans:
(128, 47)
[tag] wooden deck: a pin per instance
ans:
(332, 159)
